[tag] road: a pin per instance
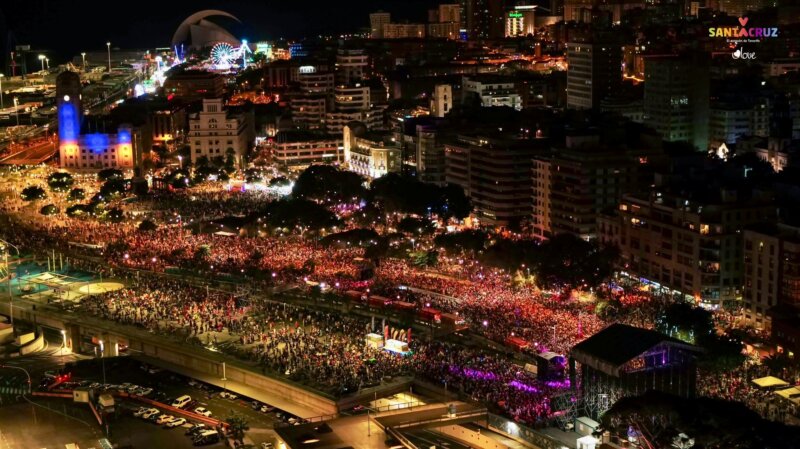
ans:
(430, 438)
(31, 155)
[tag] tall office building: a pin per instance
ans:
(676, 99)
(594, 73)
(450, 13)
(377, 21)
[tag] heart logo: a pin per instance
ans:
(743, 21)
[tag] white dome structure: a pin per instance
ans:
(198, 32)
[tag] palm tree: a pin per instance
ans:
(237, 426)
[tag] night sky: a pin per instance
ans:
(67, 27)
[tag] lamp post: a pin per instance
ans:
(224, 379)
(1, 91)
(83, 58)
(180, 161)
(41, 59)
(16, 109)
(108, 47)
(102, 360)
(63, 344)
(47, 63)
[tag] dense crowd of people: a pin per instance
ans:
(324, 350)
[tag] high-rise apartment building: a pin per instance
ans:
(572, 185)
(594, 73)
(689, 240)
(495, 173)
(676, 99)
(377, 21)
(771, 271)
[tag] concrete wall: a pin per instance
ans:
(234, 373)
(35, 345)
(24, 339)
(6, 334)
(472, 438)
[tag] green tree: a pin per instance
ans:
(33, 193)
(202, 253)
(328, 184)
(50, 209)
(76, 195)
(237, 426)
(147, 226)
(109, 173)
(76, 210)
(60, 181)
(114, 215)
(114, 188)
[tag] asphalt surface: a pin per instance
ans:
(431, 438)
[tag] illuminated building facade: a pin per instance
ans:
(217, 132)
(370, 154)
(521, 21)
(298, 150)
(90, 151)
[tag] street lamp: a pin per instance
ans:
(180, 161)
(16, 109)
(1, 91)
(47, 61)
(41, 59)
(83, 57)
(102, 360)
(108, 46)
(63, 344)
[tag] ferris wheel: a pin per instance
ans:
(224, 54)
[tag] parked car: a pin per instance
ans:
(164, 419)
(203, 411)
(266, 409)
(181, 401)
(176, 422)
(150, 413)
(140, 411)
(206, 437)
(196, 429)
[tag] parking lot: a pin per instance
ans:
(127, 374)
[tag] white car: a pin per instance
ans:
(150, 413)
(176, 422)
(164, 419)
(143, 391)
(203, 411)
(141, 411)
(227, 395)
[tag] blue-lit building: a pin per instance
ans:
(83, 149)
